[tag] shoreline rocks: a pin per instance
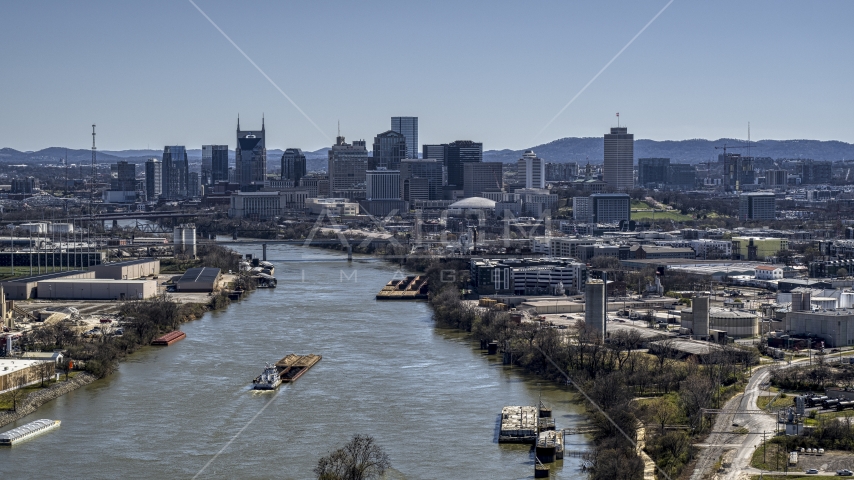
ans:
(40, 397)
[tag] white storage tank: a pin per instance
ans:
(184, 239)
(823, 303)
(61, 228)
(34, 227)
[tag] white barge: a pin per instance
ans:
(25, 432)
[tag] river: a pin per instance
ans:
(427, 395)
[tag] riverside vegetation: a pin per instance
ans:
(143, 321)
(632, 388)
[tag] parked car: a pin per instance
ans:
(812, 471)
(844, 472)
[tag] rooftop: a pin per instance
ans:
(128, 263)
(44, 276)
(474, 202)
(203, 274)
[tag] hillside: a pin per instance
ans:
(687, 151)
(561, 150)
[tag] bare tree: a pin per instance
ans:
(662, 412)
(45, 370)
(17, 394)
(360, 459)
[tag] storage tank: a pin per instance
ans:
(846, 300)
(184, 239)
(824, 303)
(737, 323)
(34, 227)
(61, 228)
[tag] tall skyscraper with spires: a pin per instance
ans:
(619, 159)
(250, 157)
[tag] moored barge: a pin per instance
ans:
(169, 338)
(25, 432)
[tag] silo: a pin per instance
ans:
(594, 306)
(700, 307)
(178, 238)
(190, 239)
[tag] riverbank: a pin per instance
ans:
(38, 398)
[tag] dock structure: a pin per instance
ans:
(413, 287)
(294, 366)
(550, 446)
(169, 338)
(518, 424)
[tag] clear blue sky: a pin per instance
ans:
(157, 73)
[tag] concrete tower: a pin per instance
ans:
(595, 306)
(700, 309)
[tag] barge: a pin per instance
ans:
(169, 338)
(413, 287)
(28, 431)
(285, 370)
(519, 424)
(294, 366)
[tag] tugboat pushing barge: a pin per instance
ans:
(285, 370)
(268, 380)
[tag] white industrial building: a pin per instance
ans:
(332, 206)
(768, 272)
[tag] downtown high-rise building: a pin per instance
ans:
(346, 166)
(652, 172)
(408, 126)
(532, 169)
(619, 159)
(389, 149)
(153, 179)
(382, 184)
(175, 173)
(250, 157)
(124, 178)
(421, 179)
(214, 164)
(454, 155)
(482, 177)
(293, 165)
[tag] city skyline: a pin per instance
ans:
(684, 75)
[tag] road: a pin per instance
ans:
(744, 445)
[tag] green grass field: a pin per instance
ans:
(669, 215)
(638, 204)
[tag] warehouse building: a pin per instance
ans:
(24, 288)
(97, 289)
(128, 270)
(835, 326)
(202, 279)
(15, 373)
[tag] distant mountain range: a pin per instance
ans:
(562, 150)
(574, 149)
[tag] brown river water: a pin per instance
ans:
(429, 396)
